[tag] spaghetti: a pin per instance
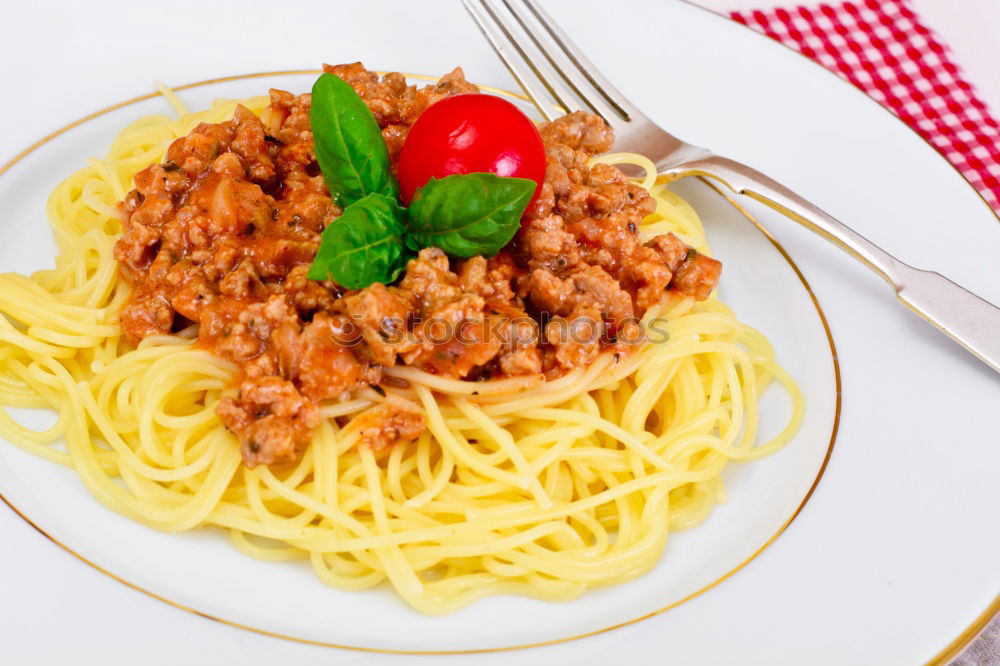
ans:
(517, 486)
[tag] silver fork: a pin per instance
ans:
(564, 77)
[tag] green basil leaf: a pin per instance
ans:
(349, 145)
(364, 245)
(468, 214)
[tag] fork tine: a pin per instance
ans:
(564, 68)
(526, 76)
(583, 66)
(550, 79)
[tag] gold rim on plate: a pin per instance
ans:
(826, 459)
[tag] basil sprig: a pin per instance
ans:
(364, 245)
(372, 240)
(469, 214)
(349, 146)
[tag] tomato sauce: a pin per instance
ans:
(222, 234)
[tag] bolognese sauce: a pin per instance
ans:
(223, 232)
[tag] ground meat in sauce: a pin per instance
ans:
(388, 423)
(222, 234)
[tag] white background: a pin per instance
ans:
(63, 60)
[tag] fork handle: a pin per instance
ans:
(966, 318)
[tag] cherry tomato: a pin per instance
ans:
(474, 133)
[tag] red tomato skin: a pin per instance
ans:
(471, 133)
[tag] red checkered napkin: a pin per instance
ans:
(881, 47)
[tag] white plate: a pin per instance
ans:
(201, 571)
(885, 564)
